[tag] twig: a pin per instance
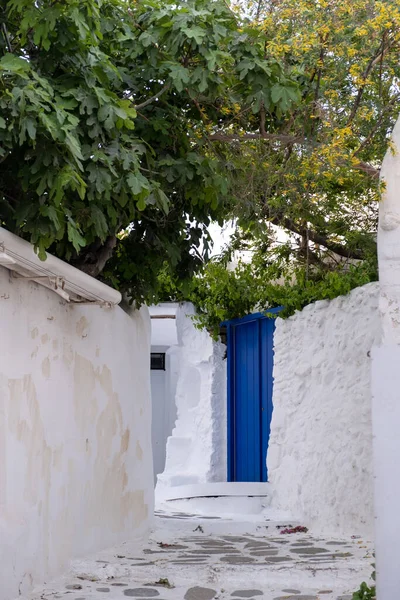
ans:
(372, 132)
(378, 56)
(287, 140)
(6, 37)
(313, 236)
(262, 119)
(273, 137)
(155, 97)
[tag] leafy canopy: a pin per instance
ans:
(305, 179)
(125, 128)
(105, 124)
(315, 171)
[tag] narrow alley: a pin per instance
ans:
(204, 557)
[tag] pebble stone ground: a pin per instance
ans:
(192, 557)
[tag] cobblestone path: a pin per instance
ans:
(189, 557)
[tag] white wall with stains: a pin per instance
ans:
(75, 431)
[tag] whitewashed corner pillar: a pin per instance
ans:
(386, 383)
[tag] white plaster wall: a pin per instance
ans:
(75, 431)
(196, 450)
(320, 451)
(163, 389)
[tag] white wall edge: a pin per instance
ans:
(17, 254)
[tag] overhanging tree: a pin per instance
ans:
(152, 118)
(104, 127)
(314, 171)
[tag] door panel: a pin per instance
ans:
(247, 435)
(250, 361)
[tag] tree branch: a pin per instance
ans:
(93, 263)
(386, 110)
(273, 137)
(365, 168)
(150, 100)
(318, 85)
(288, 140)
(313, 236)
(374, 61)
(258, 12)
(262, 119)
(6, 37)
(312, 258)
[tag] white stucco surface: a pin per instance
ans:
(320, 452)
(196, 450)
(386, 419)
(389, 241)
(163, 389)
(164, 338)
(386, 379)
(75, 431)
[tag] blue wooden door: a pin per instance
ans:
(250, 362)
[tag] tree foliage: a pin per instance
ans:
(315, 171)
(126, 127)
(104, 128)
(306, 180)
(220, 292)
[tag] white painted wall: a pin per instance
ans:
(196, 450)
(320, 452)
(386, 380)
(163, 389)
(75, 442)
(164, 339)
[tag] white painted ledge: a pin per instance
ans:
(207, 490)
(70, 283)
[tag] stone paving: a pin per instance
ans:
(191, 557)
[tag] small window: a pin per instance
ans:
(157, 362)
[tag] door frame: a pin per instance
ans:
(230, 329)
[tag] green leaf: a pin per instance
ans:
(77, 240)
(99, 221)
(51, 212)
(276, 93)
(31, 128)
(123, 198)
(163, 200)
(196, 33)
(41, 250)
(137, 183)
(179, 75)
(15, 64)
(105, 112)
(73, 144)
(141, 204)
